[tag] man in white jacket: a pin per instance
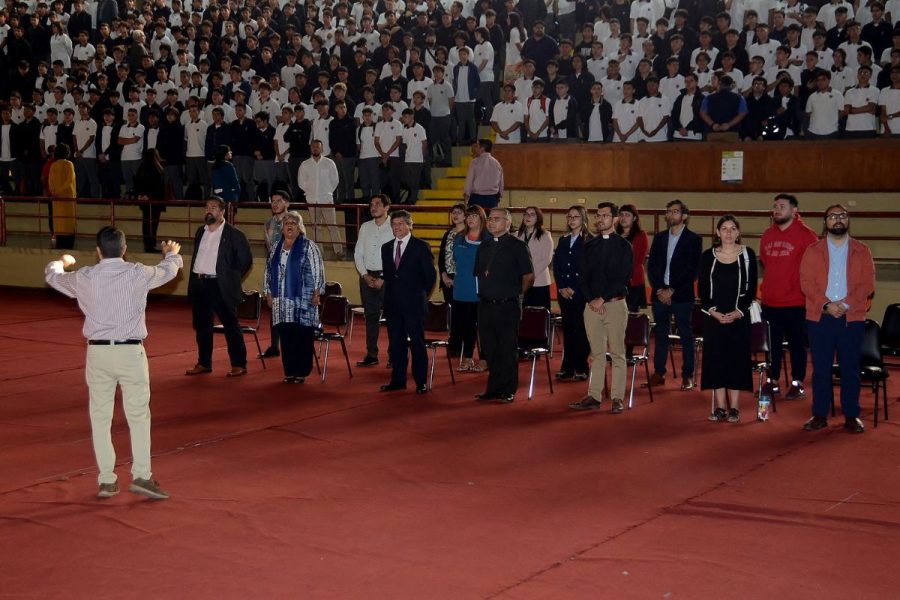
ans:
(318, 178)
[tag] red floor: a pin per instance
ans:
(338, 491)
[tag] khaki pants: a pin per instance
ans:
(125, 366)
(607, 331)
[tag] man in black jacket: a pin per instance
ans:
(30, 151)
(563, 113)
(243, 133)
(605, 274)
(672, 269)
(409, 277)
(170, 145)
(221, 260)
(685, 122)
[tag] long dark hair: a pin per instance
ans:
(635, 225)
(585, 227)
(538, 223)
(515, 22)
(717, 241)
(150, 163)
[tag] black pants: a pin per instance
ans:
(787, 322)
(296, 348)
(110, 179)
(463, 327)
(575, 343)
(403, 327)
(498, 330)
(372, 301)
(274, 341)
(537, 296)
(206, 302)
(637, 298)
(150, 225)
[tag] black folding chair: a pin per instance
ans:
(872, 369)
(249, 312)
(890, 334)
(437, 321)
(637, 335)
(336, 314)
(534, 339)
(761, 343)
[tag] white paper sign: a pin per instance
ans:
(732, 166)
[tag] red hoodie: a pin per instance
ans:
(780, 253)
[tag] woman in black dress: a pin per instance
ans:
(149, 186)
(727, 283)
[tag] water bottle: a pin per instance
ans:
(762, 409)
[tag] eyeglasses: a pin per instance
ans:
(837, 216)
(496, 218)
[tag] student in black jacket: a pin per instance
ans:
(596, 117)
(109, 154)
(298, 138)
(683, 128)
(170, 145)
(563, 114)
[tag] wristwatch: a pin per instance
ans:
(825, 307)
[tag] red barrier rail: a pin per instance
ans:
(554, 218)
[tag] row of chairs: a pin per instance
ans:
(537, 333)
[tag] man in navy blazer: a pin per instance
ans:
(221, 260)
(409, 277)
(672, 269)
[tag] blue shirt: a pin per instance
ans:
(837, 271)
(670, 250)
(465, 286)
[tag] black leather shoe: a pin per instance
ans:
(269, 353)
(815, 424)
(504, 398)
(369, 361)
(854, 426)
(421, 389)
(485, 397)
(393, 387)
(565, 375)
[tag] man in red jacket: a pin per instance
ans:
(780, 251)
(837, 276)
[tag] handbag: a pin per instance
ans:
(755, 312)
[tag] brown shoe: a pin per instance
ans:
(198, 369)
(657, 379)
(687, 383)
(236, 372)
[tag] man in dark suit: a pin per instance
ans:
(221, 259)
(672, 269)
(409, 277)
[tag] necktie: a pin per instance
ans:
(397, 255)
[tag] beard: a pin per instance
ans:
(209, 219)
(672, 222)
(782, 220)
(839, 229)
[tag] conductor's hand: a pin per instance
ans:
(170, 246)
(67, 260)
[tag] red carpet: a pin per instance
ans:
(338, 491)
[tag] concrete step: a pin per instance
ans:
(450, 195)
(450, 183)
(455, 172)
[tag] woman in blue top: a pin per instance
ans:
(567, 272)
(464, 310)
(294, 282)
(225, 182)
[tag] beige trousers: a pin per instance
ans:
(125, 366)
(607, 331)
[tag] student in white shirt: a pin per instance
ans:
(537, 114)
(861, 106)
(654, 111)
(612, 83)
(388, 137)
(131, 138)
(597, 63)
(415, 142)
(626, 120)
(508, 117)
(889, 101)
(825, 109)
(368, 156)
(483, 59)
(671, 85)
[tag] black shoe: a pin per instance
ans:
(586, 403)
(486, 397)
(565, 375)
(389, 365)
(719, 415)
(368, 361)
(854, 426)
(422, 389)
(581, 376)
(393, 387)
(815, 423)
(271, 352)
(504, 398)
(618, 407)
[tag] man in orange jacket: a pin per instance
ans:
(837, 276)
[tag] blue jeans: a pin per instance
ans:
(827, 337)
(662, 314)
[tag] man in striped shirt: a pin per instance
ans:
(113, 297)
